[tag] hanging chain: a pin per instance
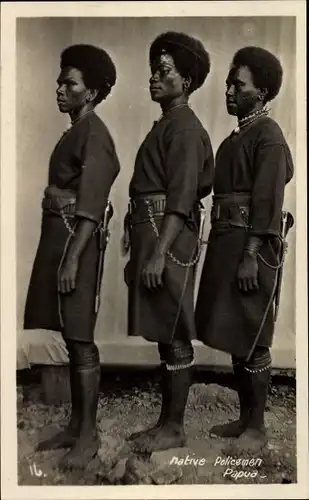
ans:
(275, 268)
(67, 223)
(174, 259)
(282, 258)
(71, 229)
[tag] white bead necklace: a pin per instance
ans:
(247, 120)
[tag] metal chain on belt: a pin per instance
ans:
(70, 228)
(177, 261)
(67, 224)
(280, 263)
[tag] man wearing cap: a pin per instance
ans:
(173, 171)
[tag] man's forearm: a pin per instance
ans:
(253, 245)
(78, 243)
(171, 227)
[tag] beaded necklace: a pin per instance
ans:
(247, 120)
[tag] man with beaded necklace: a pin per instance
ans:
(173, 171)
(234, 311)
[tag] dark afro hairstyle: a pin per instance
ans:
(190, 57)
(266, 69)
(96, 66)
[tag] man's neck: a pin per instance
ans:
(76, 114)
(177, 101)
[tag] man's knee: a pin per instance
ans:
(83, 353)
(260, 360)
(179, 355)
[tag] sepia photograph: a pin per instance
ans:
(153, 250)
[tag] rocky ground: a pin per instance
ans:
(129, 402)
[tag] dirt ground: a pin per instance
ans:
(131, 401)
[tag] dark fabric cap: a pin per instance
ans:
(188, 53)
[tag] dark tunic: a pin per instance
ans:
(84, 161)
(176, 159)
(257, 161)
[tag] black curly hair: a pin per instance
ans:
(96, 66)
(190, 57)
(266, 69)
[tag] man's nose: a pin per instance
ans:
(154, 77)
(60, 90)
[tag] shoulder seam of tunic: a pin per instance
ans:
(187, 130)
(271, 145)
(271, 130)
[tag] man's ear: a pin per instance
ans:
(187, 83)
(263, 94)
(92, 95)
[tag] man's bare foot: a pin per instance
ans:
(166, 437)
(251, 440)
(230, 429)
(82, 453)
(145, 432)
(64, 439)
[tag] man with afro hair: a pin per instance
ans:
(65, 283)
(234, 311)
(173, 171)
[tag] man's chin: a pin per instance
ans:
(231, 109)
(62, 108)
(155, 97)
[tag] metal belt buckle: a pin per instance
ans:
(244, 211)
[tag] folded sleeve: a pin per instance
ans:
(100, 168)
(184, 165)
(270, 175)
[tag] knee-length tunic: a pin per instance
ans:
(257, 161)
(85, 162)
(175, 159)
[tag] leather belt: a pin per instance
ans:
(138, 207)
(59, 201)
(232, 209)
(48, 205)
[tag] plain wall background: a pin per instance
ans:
(129, 113)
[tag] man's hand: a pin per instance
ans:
(125, 240)
(67, 276)
(152, 274)
(69, 268)
(126, 273)
(247, 275)
(125, 244)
